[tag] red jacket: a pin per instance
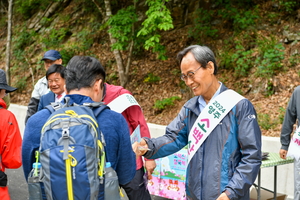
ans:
(10, 144)
(133, 115)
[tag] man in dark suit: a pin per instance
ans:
(56, 81)
(41, 87)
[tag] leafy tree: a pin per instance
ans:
(159, 18)
(124, 31)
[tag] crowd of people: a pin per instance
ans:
(218, 126)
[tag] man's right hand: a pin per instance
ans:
(140, 148)
(283, 153)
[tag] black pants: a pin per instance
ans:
(136, 188)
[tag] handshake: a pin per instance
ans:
(140, 148)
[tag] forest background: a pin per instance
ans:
(256, 43)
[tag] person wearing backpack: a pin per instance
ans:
(10, 138)
(84, 79)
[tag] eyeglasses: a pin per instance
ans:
(57, 80)
(190, 75)
(49, 61)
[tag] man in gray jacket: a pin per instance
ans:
(291, 115)
(226, 163)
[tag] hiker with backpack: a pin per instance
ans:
(75, 140)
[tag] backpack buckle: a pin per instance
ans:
(65, 130)
(65, 133)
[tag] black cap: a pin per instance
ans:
(3, 83)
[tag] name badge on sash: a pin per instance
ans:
(209, 118)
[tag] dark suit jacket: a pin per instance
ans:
(46, 100)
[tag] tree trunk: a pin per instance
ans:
(122, 75)
(9, 22)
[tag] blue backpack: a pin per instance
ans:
(72, 152)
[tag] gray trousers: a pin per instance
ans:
(297, 179)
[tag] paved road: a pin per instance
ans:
(18, 187)
(17, 184)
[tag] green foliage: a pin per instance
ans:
(270, 56)
(203, 27)
(242, 14)
(3, 20)
(151, 78)
(27, 8)
(270, 89)
(287, 5)
(24, 38)
(158, 18)
(55, 37)
(281, 115)
(264, 121)
(162, 104)
(121, 26)
(235, 15)
(21, 83)
(267, 56)
(245, 19)
(294, 59)
(45, 21)
(112, 77)
(243, 59)
(176, 72)
(84, 40)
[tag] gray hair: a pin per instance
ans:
(202, 55)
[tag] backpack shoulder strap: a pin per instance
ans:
(54, 106)
(97, 107)
(98, 110)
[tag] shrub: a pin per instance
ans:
(162, 104)
(151, 78)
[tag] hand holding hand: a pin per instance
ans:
(140, 148)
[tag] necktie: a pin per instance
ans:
(58, 96)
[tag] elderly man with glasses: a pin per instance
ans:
(219, 127)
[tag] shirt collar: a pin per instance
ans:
(202, 102)
(62, 95)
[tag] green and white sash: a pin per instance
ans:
(209, 118)
(122, 102)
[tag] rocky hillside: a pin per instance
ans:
(153, 80)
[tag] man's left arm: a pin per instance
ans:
(249, 137)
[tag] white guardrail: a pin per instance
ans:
(285, 173)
